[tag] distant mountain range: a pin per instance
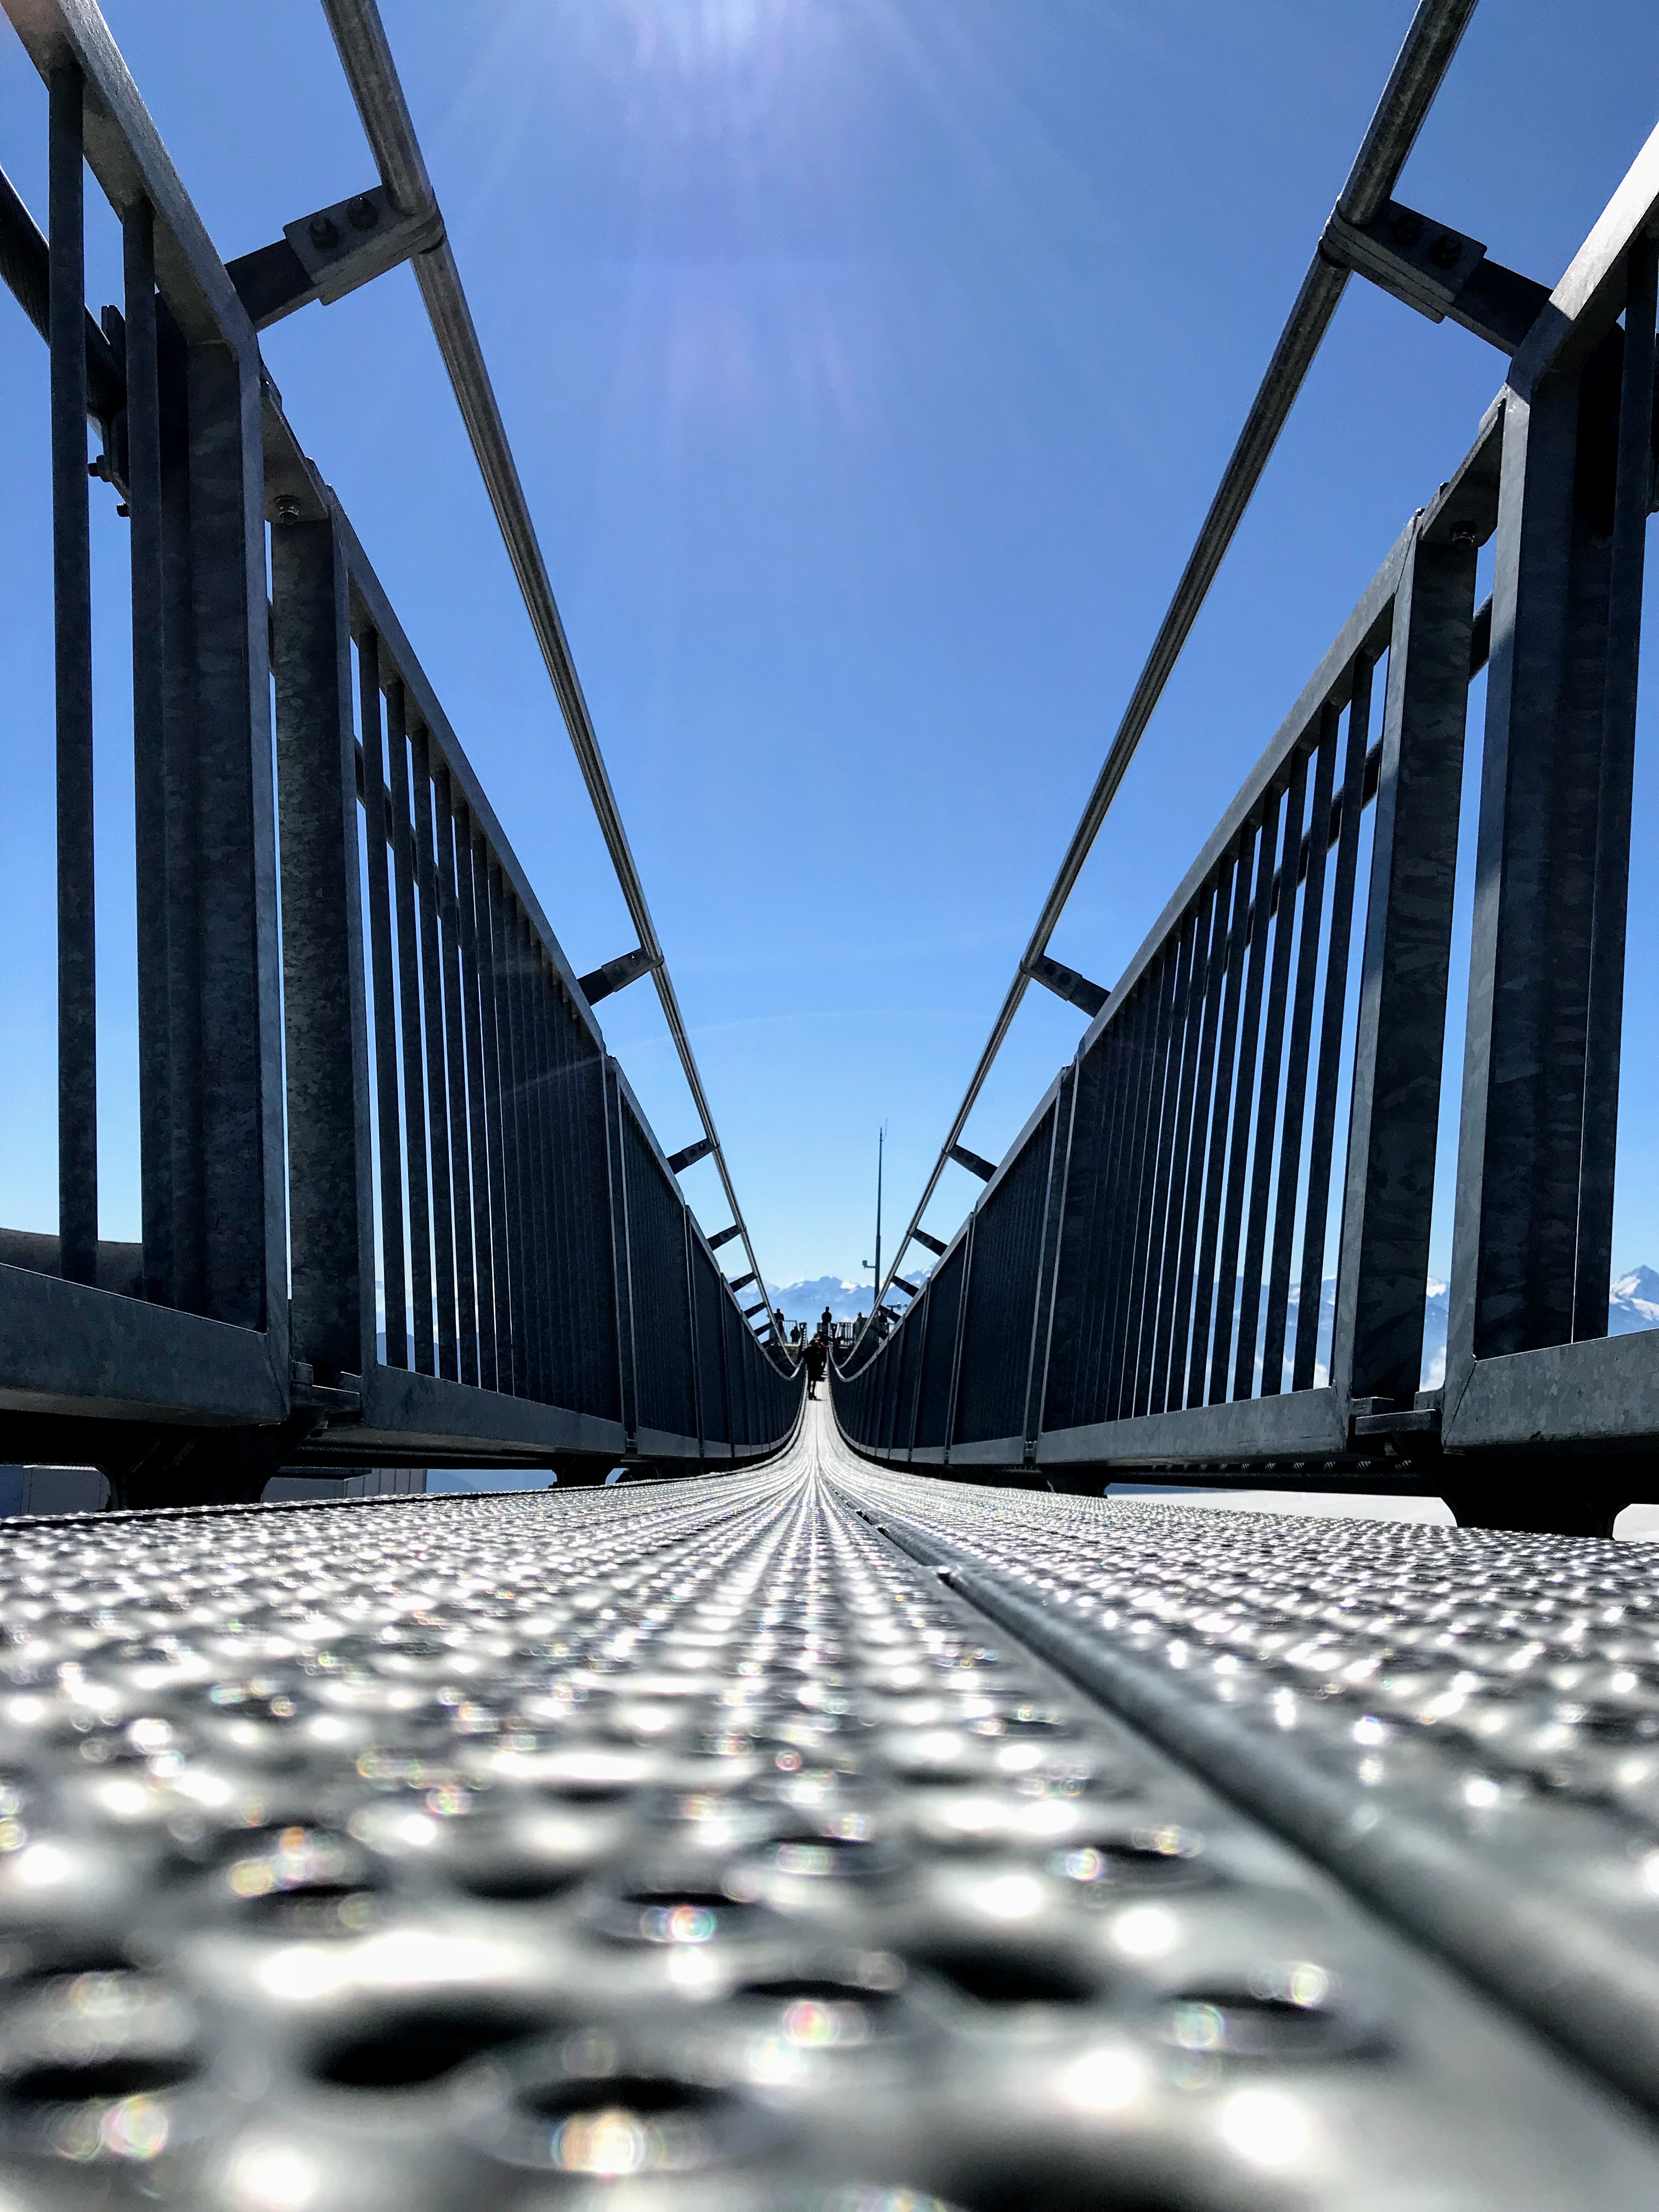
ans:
(807, 1300)
(1632, 1304)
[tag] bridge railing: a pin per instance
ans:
(460, 1240)
(1255, 1111)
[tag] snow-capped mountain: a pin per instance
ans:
(1634, 1303)
(807, 1300)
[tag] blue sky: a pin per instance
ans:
(870, 364)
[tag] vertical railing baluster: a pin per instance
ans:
(472, 1013)
(544, 1123)
(408, 987)
(1194, 1017)
(490, 1095)
(536, 1159)
(696, 1428)
(566, 1273)
(382, 973)
(1401, 1025)
(624, 1271)
(532, 1188)
(1124, 1167)
(461, 1170)
(234, 858)
(965, 1287)
(181, 891)
(913, 1426)
(1160, 1139)
(1093, 1226)
(72, 544)
(1281, 896)
(1229, 1287)
(1054, 1212)
(441, 1105)
(1316, 1223)
(508, 1089)
(332, 1264)
(1206, 1314)
(1296, 1073)
(1198, 1162)
(149, 791)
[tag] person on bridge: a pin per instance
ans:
(818, 1357)
(826, 1326)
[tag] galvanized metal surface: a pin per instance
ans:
(685, 1846)
(1463, 1724)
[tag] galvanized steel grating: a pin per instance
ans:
(685, 1846)
(1464, 1723)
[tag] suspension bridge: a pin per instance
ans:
(855, 1807)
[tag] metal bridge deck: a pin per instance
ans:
(699, 1845)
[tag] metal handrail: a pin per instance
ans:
(1433, 38)
(366, 56)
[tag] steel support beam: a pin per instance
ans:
(1066, 983)
(1377, 1346)
(1522, 1157)
(328, 254)
(1438, 271)
(617, 975)
(330, 1168)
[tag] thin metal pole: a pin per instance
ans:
(1435, 30)
(881, 1146)
(441, 1105)
(1204, 1298)
(460, 1163)
(71, 547)
(1316, 1225)
(409, 988)
(382, 976)
(1296, 1070)
(1255, 919)
(1272, 1078)
(366, 57)
(149, 749)
(507, 1084)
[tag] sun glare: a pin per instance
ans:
(696, 34)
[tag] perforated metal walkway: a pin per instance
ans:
(695, 1846)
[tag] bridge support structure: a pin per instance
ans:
(1164, 1275)
(399, 1204)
